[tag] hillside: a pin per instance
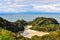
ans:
(43, 20)
(13, 26)
(45, 24)
(42, 29)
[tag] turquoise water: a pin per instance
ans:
(28, 17)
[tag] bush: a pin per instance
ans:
(52, 36)
(6, 35)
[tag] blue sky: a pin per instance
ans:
(16, 6)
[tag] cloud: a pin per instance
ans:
(47, 1)
(47, 8)
(29, 5)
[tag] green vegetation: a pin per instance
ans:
(8, 35)
(52, 36)
(45, 24)
(13, 26)
(9, 30)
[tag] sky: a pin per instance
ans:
(16, 6)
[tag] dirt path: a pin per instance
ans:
(29, 33)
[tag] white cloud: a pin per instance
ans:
(29, 5)
(47, 8)
(47, 1)
(15, 8)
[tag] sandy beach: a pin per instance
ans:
(29, 33)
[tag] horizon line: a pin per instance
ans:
(12, 13)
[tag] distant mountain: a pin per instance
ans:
(42, 23)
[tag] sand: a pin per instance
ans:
(29, 33)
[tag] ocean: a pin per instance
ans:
(28, 17)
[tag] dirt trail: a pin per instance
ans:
(29, 33)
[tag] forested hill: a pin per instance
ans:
(44, 24)
(43, 20)
(13, 26)
(40, 24)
